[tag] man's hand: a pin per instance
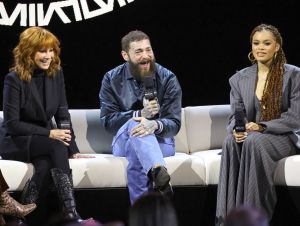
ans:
(151, 108)
(145, 127)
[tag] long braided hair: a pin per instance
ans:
(272, 94)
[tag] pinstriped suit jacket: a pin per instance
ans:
(242, 95)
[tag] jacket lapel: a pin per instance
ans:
(286, 77)
(249, 91)
(285, 89)
(251, 76)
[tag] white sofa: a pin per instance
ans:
(197, 159)
(194, 171)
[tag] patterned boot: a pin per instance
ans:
(64, 189)
(9, 206)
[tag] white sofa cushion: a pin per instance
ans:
(186, 169)
(90, 135)
(181, 142)
(206, 126)
(16, 173)
(109, 171)
(212, 160)
(105, 170)
(287, 171)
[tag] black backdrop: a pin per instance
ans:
(202, 42)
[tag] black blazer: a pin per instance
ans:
(25, 115)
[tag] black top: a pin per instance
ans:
(38, 78)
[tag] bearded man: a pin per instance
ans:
(143, 128)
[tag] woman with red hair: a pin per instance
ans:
(34, 93)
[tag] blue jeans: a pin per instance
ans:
(142, 154)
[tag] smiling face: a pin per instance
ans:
(140, 57)
(264, 46)
(43, 58)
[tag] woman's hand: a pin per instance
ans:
(81, 156)
(252, 126)
(63, 135)
(240, 136)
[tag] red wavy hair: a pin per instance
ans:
(32, 40)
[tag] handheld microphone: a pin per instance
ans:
(239, 120)
(64, 124)
(150, 90)
(64, 119)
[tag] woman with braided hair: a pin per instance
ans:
(267, 97)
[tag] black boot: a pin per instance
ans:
(30, 193)
(161, 181)
(64, 189)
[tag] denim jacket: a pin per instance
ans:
(121, 98)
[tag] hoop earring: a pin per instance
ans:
(251, 58)
(275, 56)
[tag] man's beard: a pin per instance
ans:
(139, 74)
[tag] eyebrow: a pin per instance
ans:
(266, 40)
(141, 49)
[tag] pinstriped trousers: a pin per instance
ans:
(246, 173)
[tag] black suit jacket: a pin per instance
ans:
(25, 115)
